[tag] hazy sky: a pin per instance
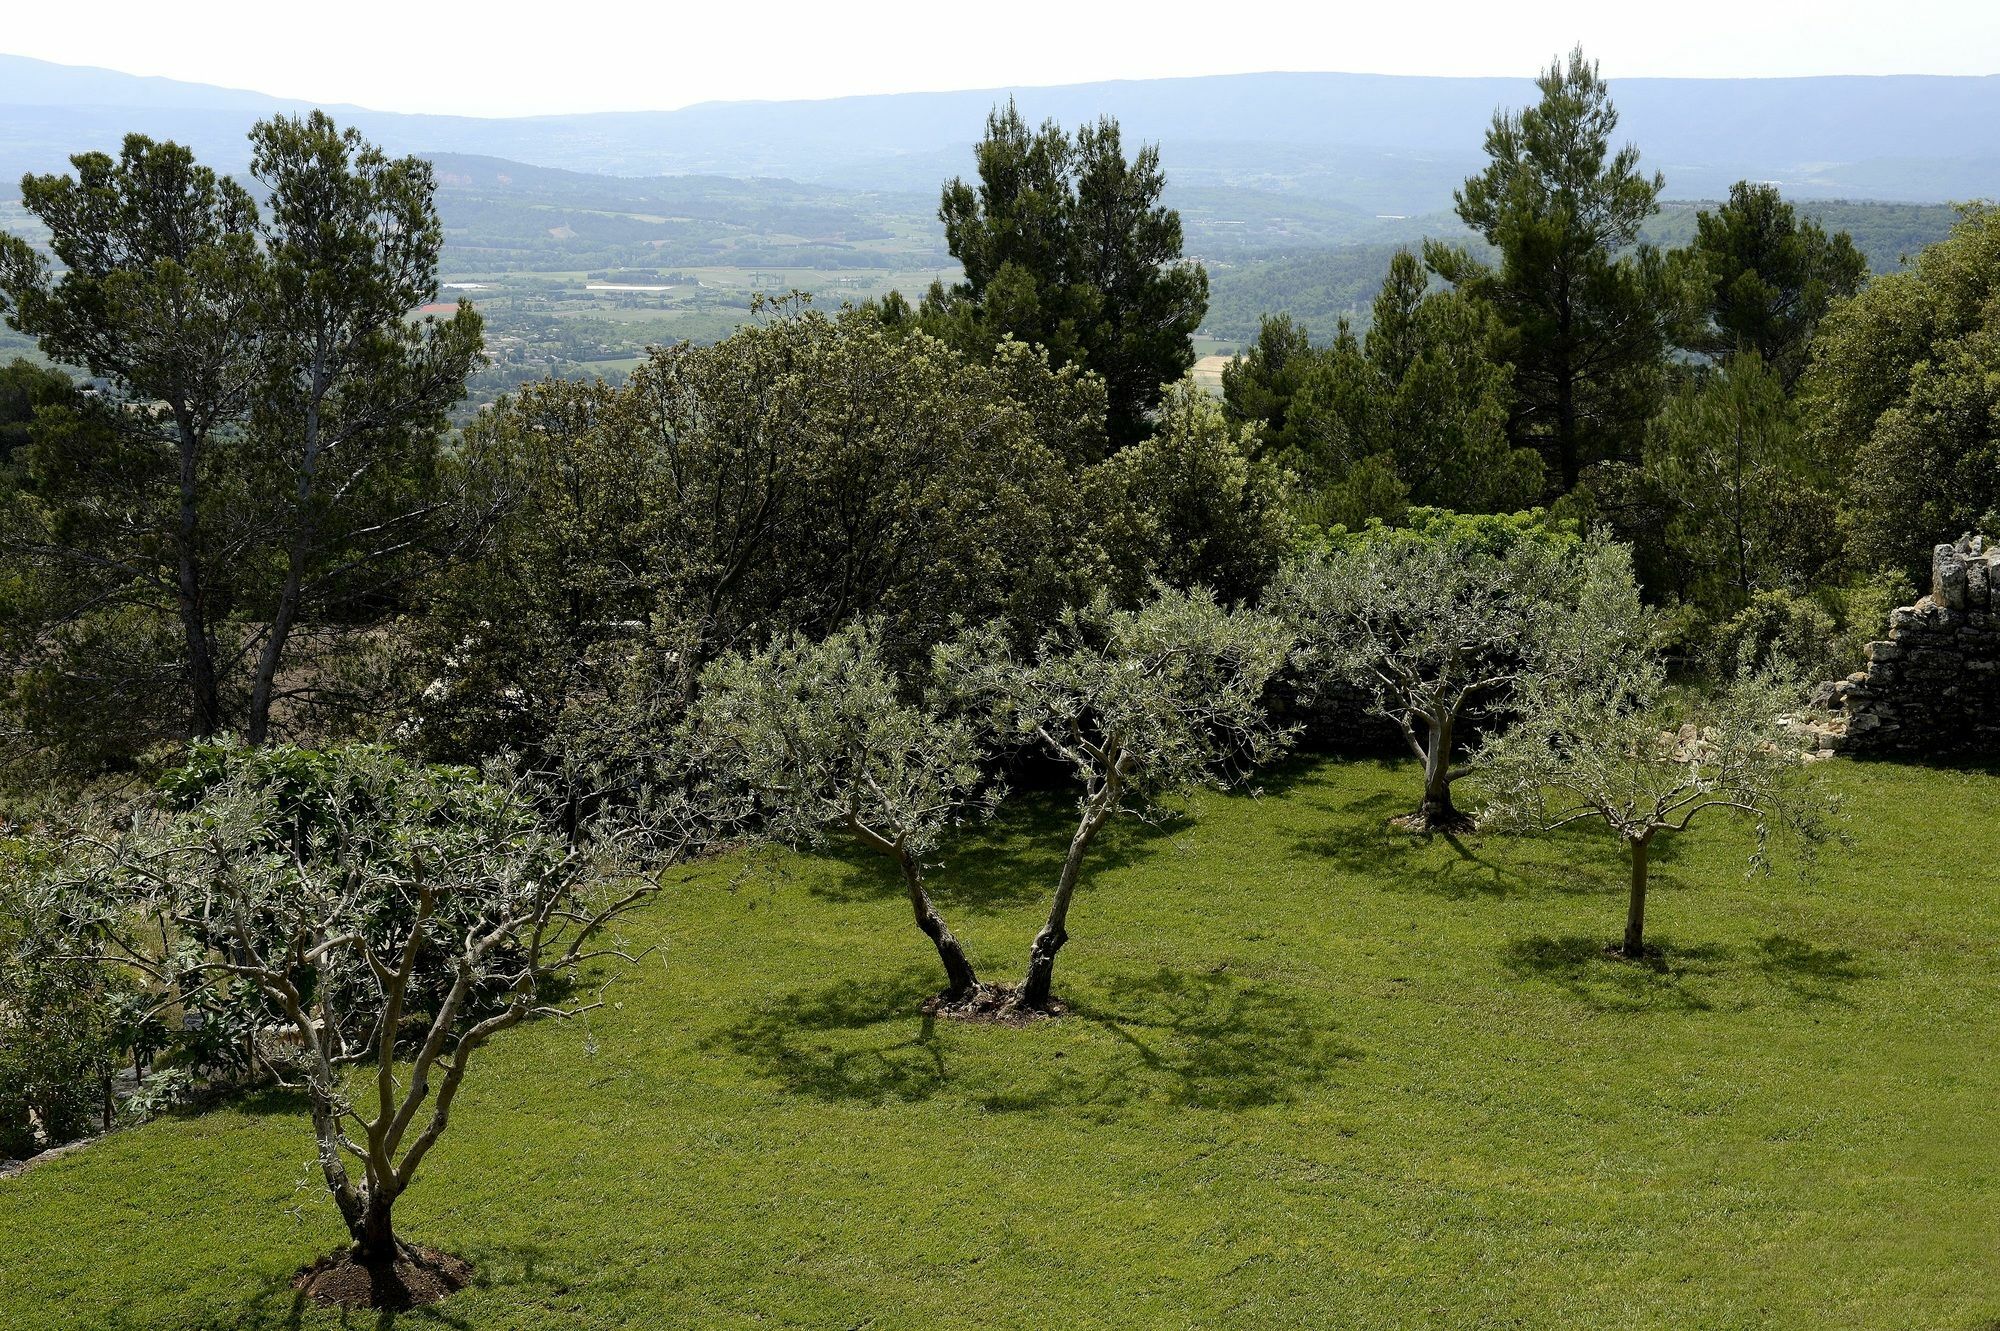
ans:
(503, 57)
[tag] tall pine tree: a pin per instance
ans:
(1588, 313)
(1065, 244)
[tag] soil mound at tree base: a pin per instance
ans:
(990, 1003)
(1420, 825)
(417, 1276)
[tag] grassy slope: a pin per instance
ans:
(1314, 1077)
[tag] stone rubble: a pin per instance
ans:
(1932, 687)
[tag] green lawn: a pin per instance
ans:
(1313, 1076)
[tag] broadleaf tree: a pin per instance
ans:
(1604, 740)
(826, 741)
(1140, 705)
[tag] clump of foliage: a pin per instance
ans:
(64, 1016)
(804, 471)
(1139, 705)
(1902, 385)
(1602, 739)
(1190, 505)
(823, 740)
(1728, 502)
(1414, 413)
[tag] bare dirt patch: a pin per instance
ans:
(418, 1276)
(992, 1004)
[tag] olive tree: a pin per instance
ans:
(824, 738)
(60, 1015)
(1439, 621)
(387, 918)
(1604, 740)
(1140, 705)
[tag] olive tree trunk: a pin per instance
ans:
(1635, 906)
(1437, 810)
(961, 981)
(1033, 995)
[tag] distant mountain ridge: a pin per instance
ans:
(1378, 143)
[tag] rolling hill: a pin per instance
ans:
(1375, 143)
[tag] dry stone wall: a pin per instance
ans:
(1933, 685)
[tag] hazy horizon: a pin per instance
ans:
(462, 60)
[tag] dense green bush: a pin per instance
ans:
(62, 1018)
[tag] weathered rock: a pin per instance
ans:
(1930, 687)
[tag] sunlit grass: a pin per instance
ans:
(1315, 1074)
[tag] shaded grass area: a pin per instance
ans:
(1314, 1074)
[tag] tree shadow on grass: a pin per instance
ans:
(1206, 1040)
(1808, 972)
(1356, 836)
(854, 1040)
(1666, 979)
(1671, 977)
(1190, 1040)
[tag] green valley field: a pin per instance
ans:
(1314, 1075)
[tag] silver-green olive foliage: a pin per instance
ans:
(1139, 704)
(383, 919)
(1438, 623)
(1601, 737)
(822, 739)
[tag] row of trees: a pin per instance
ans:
(253, 518)
(1781, 441)
(388, 918)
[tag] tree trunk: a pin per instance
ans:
(374, 1231)
(1635, 908)
(1567, 448)
(960, 980)
(1033, 995)
(298, 552)
(1437, 810)
(258, 729)
(205, 700)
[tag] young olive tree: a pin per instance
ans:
(823, 737)
(1602, 739)
(1140, 705)
(387, 918)
(1439, 621)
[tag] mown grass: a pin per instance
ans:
(1315, 1075)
